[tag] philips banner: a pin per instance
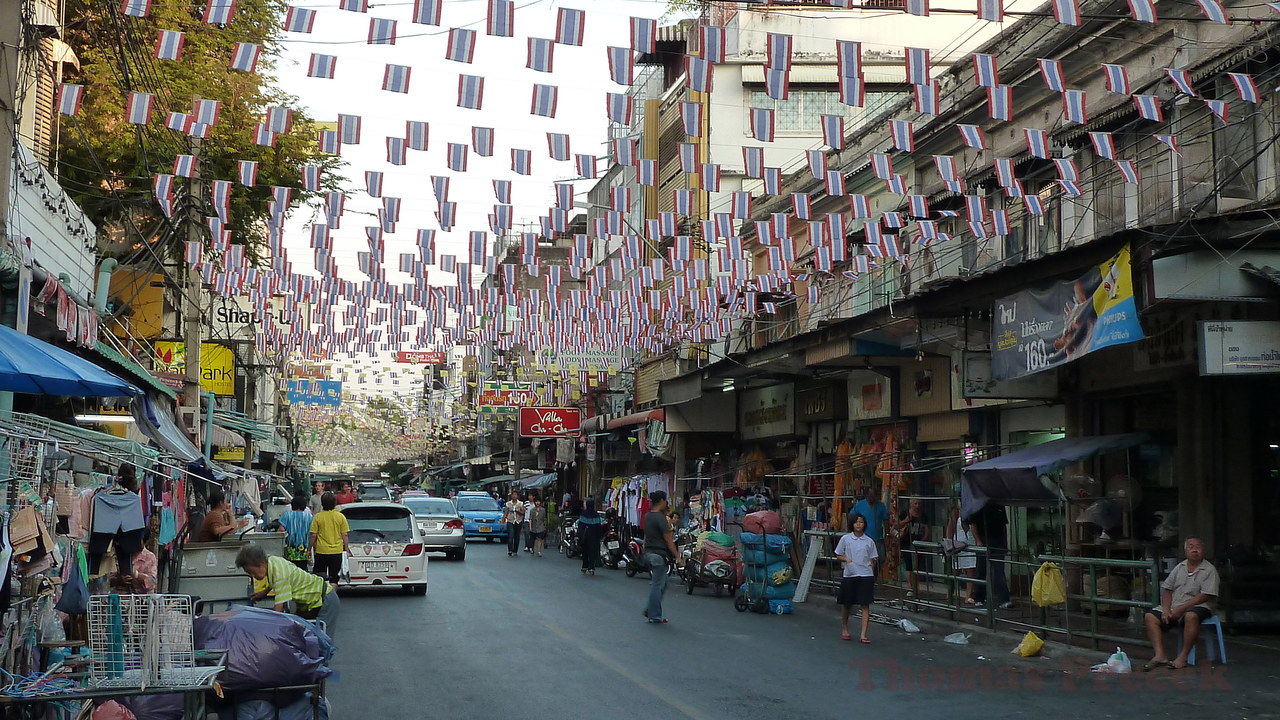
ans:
(1036, 330)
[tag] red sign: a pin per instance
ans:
(420, 358)
(548, 422)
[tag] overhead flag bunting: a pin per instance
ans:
(427, 12)
(140, 106)
(136, 8)
(644, 35)
(540, 54)
(219, 12)
(382, 31)
(501, 18)
(396, 78)
(169, 44)
(70, 96)
(569, 26)
(322, 66)
(470, 91)
(299, 20)
(461, 45)
(245, 57)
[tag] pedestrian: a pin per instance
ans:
(966, 563)
(513, 516)
(990, 528)
(329, 539)
(857, 552)
(346, 496)
(590, 530)
(528, 522)
(876, 514)
(913, 528)
(659, 553)
(296, 523)
(317, 492)
(311, 595)
(538, 527)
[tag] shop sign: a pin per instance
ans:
(420, 357)
(597, 360)
(217, 365)
(550, 422)
(821, 403)
(870, 395)
(173, 380)
(229, 453)
(767, 412)
(977, 382)
(1170, 344)
(322, 393)
(499, 397)
(591, 451)
(1240, 347)
(1035, 330)
(233, 318)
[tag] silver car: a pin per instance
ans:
(440, 524)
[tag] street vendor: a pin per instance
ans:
(311, 595)
(221, 521)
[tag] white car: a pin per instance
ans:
(386, 546)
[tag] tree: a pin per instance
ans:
(109, 164)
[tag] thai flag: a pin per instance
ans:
(427, 12)
(163, 188)
(564, 195)
(1149, 107)
(723, 225)
(762, 124)
(928, 231)
(445, 217)
(978, 229)
(281, 196)
(619, 108)
(919, 8)
(1073, 106)
(354, 5)
(140, 105)
(457, 157)
(801, 206)
(973, 136)
(833, 131)
(219, 12)
(741, 205)
(207, 111)
(558, 146)
(248, 170)
(918, 66)
(1214, 11)
(882, 165)
(991, 10)
(1143, 10)
(621, 65)
(1067, 169)
(975, 208)
(194, 251)
(70, 96)
(569, 26)
(647, 172)
(470, 91)
(373, 183)
(329, 142)
(1033, 204)
(586, 165)
(136, 8)
(1000, 102)
(396, 151)
(502, 190)
(918, 206)
(169, 44)
(984, 68)
(299, 20)
(1037, 142)
(1128, 170)
(710, 176)
(896, 184)
(691, 117)
(1000, 222)
(263, 136)
(682, 201)
(1170, 142)
(416, 134)
(817, 160)
(848, 59)
(246, 56)
(395, 78)
(1218, 108)
(666, 224)
(624, 151)
(1244, 86)
(860, 207)
(644, 35)
(382, 31)
(927, 99)
(322, 66)
(279, 119)
(1182, 80)
(220, 197)
(541, 52)
(688, 154)
(1117, 78)
(698, 74)
(777, 54)
(1067, 12)
(893, 220)
(520, 161)
(835, 228)
(482, 141)
(1004, 172)
(461, 46)
(777, 83)
(1051, 71)
(311, 178)
(349, 129)
(440, 187)
(544, 100)
(779, 225)
(620, 199)
(711, 41)
(502, 18)
(184, 165)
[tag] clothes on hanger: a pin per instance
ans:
(117, 518)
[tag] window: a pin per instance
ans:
(1155, 192)
(1235, 162)
(430, 506)
(803, 109)
(1108, 198)
(1195, 167)
(384, 523)
(478, 504)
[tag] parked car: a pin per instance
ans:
(440, 525)
(481, 515)
(373, 492)
(386, 546)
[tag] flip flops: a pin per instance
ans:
(866, 641)
(1155, 664)
(846, 636)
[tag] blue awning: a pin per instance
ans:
(156, 421)
(536, 482)
(29, 365)
(1019, 478)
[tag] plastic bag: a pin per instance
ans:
(908, 626)
(1048, 587)
(75, 593)
(956, 638)
(765, 521)
(1030, 646)
(264, 648)
(156, 707)
(1119, 662)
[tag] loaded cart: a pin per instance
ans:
(710, 560)
(768, 576)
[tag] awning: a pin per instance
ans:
(29, 365)
(222, 437)
(134, 369)
(1018, 477)
(156, 422)
(536, 482)
(495, 479)
(635, 419)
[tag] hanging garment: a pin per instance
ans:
(117, 516)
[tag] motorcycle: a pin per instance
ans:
(569, 538)
(633, 557)
(611, 552)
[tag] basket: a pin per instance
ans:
(141, 641)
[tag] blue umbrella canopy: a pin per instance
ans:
(28, 365)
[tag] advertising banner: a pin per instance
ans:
(414, 357)
(217, 365)
(323, 393)
(1035, 330)
(498, 397)
(549, 422)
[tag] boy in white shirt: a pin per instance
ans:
(857, 552)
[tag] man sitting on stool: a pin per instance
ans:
(1186, 600)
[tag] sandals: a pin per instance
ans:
(1152, 665)
(970, 602)
(865, 641)
(846, 636)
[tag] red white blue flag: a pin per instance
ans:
(373, 183)
(502, 190)
(984, 68)
(427, 12)
(461, 46)
(544, 100)
(625, 151)
(777, 83)
(833, 131)
(354, 5)
(311, 178)
(569, 26)
(817, 161)
(541, 52)
(219, 12)
(777, 54)
(762, 124)
(521, 161)
(1000, 102)
(140, 105)
(299, 20)
(1117, 78)
(1182, 80)
(396, 78)
(1218, 108)
(501, 19)
(349, 129)
(1073, 106)
(248, 171)
(1037, 142)
(834, 180)
(1245, 86)
(917, 61)
(1051, 71)
(397, 153)
(753, 161)
(621, 65)
(1213, 10)
(709, 174)
(698, 74)
(470, 91)
(848, 59)
(482, 141)
(417, 133)
(644, 35)
(586, 165)
(382, 31)
(1169, 141)
(263, 136)
(207, 111)
(711, 41)
(927, 99)
(1149, 107)
(619, 108)
(688, 153)
(280, 119)
(691, 117)
(70, 96)
(169, 44)
(184, 165)
(1067, 12)
(136, 8)
(882, 165)
(558, 146)
(1143, 10)
(903, 135)
(647, 172)
(440, 186)
(322, 66)
(245, 57)
(1128, 170)
(163, 188)
(991, 10)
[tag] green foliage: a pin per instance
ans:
(116, 55)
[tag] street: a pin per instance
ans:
(528, 637)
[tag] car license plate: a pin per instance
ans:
(613, 545)
(377, 567)
(485, 528)
(430, 526)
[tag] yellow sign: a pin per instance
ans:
(228, 453)
(217, 365)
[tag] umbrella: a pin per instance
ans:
(28, 365)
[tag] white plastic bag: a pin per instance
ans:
(1117, 663)
(908, 626)
(956, 638)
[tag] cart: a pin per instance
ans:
(700, 571)
(754, 595)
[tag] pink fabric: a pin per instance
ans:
(81, 515)
(144, 569)
(112, 710)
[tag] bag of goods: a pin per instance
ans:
(265, 648)
(720, 569)
(780, 544)
(775, 574)
(712, 551)
(762, 557)
(751, 539)
(769, 592)
(765, 521)
(781, 607)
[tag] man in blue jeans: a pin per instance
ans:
(659, 552)
(876, 514)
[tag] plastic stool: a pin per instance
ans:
(1211, 622)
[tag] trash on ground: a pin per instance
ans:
(908, 626)
(1030, 646)
(957, 638)
(1117, 663)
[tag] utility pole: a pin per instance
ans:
(515, 449)
(194, 291)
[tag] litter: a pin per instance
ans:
(908, 626)
(956, 638)
(1030, 646)
(1117, 663)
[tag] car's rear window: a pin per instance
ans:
(388, 524)
(370, 493)
(429, 507)
(478, 504)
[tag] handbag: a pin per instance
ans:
(75, 593)
(951, 546)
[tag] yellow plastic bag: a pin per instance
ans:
(1048, 587)
(1030, 646)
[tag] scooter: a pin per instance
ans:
(633, 557)
(611, 552)
(569, 539)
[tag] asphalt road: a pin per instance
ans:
(532, 638)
